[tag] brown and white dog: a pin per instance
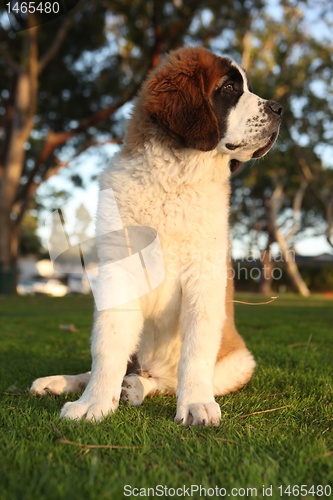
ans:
(193, 121)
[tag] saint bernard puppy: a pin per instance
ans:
(194, 120)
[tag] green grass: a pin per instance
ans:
(292, 342)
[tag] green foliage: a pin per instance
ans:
(142, 447)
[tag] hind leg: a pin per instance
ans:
(60, 384)
(135, 388)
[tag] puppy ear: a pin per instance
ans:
(178, 103)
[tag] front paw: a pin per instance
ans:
(199, 414)
(91, 410)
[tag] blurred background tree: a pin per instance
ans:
(290, 192)
(65, 84)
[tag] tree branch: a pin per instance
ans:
(57, 42)
(20, 209)
(31, 187)
(247, 47)
(297, 205)
(326, 204)
(291, 265)
(14, 65)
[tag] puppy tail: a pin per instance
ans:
(233, 371)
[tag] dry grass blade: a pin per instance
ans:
(63, 440)
(324, 455)
(226, 440)
(264, 411)
(98, 446)
(253, 303)
(202, 439)
(303, 344)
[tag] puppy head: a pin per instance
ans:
(204, 102)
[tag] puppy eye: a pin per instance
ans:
(228, 86)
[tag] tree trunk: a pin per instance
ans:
(292, 269)
(10, 181)
(24, 108)
(289, 257)
(7, 263)
(267, 265)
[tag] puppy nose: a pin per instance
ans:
(275, 107)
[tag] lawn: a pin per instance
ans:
(276, 434)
